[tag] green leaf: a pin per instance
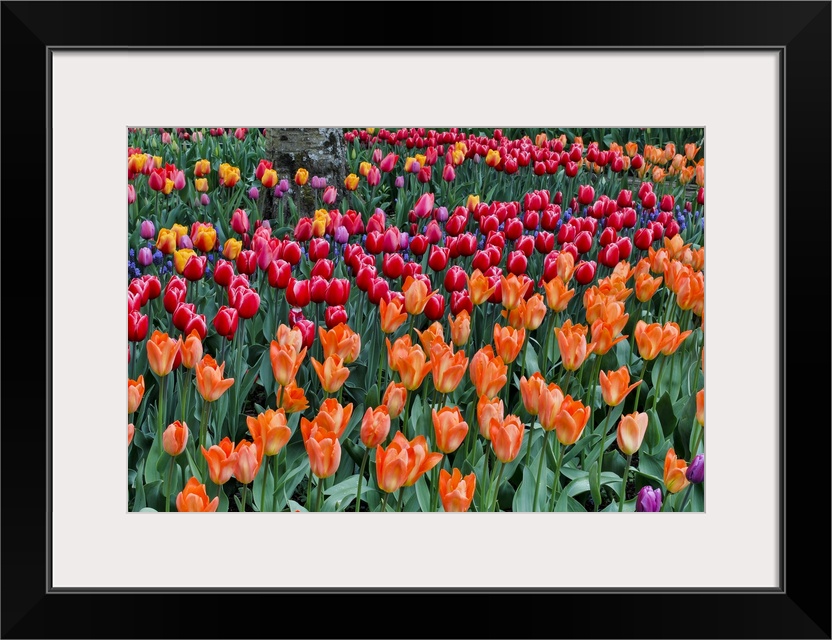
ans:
(654, 434)
(664, 408)
(147, 510)
(532, 365)
(192, 465)
(524, 495)
(139, 503)
(151, 473)
(423, 494)
(595, 484)
(341, 495)
(264, 475)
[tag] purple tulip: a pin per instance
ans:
(649, 500)
(148, 230)
(399, 182)
(284, 185)
(403, 240)
(145, 257)
(696, 469)
(442, 214)
(342, 235)
(253, 193)
(205, 200)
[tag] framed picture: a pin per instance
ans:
(72, 543)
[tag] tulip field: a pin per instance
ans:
(467, 320)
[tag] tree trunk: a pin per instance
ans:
(320, 151)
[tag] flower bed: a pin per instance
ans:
(471, 321)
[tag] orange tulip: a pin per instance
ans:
(394, 399)
(698, 259)
(648, 339)
(572, 343)
(401, 347)
(135, 393)
(595, 304)
(603, 337)
(191, 349)
(293, 399)
(631, 430)
(671, 338)
(565, 266)
(631, 148)
(614, 287)
(623, 270)
(551, 401)
(180, 259)
(642, 266)
(209, 379)
(658, 260)
(324, 451)
(557, 294)
(515, 317)
(341, 340)
(571, 420)
(449, 427)
(433, 333)
(301, 176)
(221, 460)
(690, 292)
(506, 438)
(614, 386)
(487, 372)
(514, 290)
(448, 367)
(530, 390)
(175, 438)
(392, 463)
(332, 373)
(691, 150)
(675, 470)
(460, 328)
(270, 427)
(286, 361)
(646, 286)
(416, 295)
(455, 491)
(131, 430)
(480, 287)
(375, 426)
(334, 417)
(413, 366)
(509, 342)
(391, 315)
(535, 312)
(249, 457)
(675, 246)
(420, 460)
(286, 336)
(161, 353)
(675, 272)
(232, 248)
(488, 410)
(700, 407)
(193, 498)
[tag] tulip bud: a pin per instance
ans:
(649, 500)
(696, 469)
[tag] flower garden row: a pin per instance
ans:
(467, 322)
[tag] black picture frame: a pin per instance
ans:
(799, 608)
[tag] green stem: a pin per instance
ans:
(319, 501)
(556, 483)
(698, 440)
(243, 509)
(686, 497)
(658, 382)
(160, 421)
(167, 486)
(275, 467)
(540, 470)
(384, 502)
(263, 488)
(508, 384)
(641, 379)
(380, 367)
(623, 495)
(399, 499)
(496, 487)
(360, 478)
(309, 493)
(434, 485)
(549, 331)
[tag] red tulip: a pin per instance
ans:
(643, 238)
(338, 292)
(297, 293)
(333, 316)
(225, 322)
(137, 325)
(585, 272)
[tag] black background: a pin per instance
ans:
(800, 609)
